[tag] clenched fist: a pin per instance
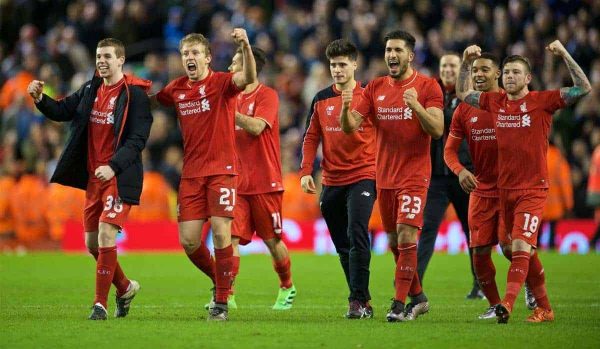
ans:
(410, 97)
(471, 53)
(104, 173)
(35, 90)
(347, 98)
(240, 37)
(557, 48)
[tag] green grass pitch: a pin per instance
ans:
(45, 300)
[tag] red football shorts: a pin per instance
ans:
(260, 213)
(103, 204)
(522, 209)
(402, 206)
(486, 224)
(204, 197)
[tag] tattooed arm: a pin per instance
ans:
(581, 83)
(464, 89)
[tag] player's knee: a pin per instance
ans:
(107, 234)
(520, 245)
(189, 242)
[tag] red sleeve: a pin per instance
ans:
(229, 87)
(551, 100)
(456, 126)
(312, 137)
(434, 98)
(364, 106)
(165, 96)
(451, 154)
(267, 105)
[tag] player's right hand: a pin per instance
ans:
(308, 185)
(240, 36)
(35, 89)
(347, 98)
(471, 53)
(467, 181)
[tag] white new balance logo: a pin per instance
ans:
(365, 193)
(181, 96)
(526, 120)
(474, 119)
(381, 98)
(228, 209)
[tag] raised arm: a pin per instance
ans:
(62, 110)
(349, 120)
(248, 74)
(581, 83)
(464, 88)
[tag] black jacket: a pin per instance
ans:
(438, 165)
(132, 126)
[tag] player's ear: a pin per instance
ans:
(411, 56)
(498, 73)
(528, 78)
(208, 59)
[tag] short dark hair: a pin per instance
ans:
(341, 47)
(491, 57)
(517, 58)
(260, 57)
(405, 36)
(112, 42)
(193, 39)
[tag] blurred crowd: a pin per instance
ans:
(55, 41)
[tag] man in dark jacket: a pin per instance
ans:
(444, 187)
(110, 122)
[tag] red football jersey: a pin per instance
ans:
(101, 126)
(477, 127)
(205, 110)
(403, 148)
(522, 128)
(347, 158)
(259, 157)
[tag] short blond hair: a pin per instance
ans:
(195, 38)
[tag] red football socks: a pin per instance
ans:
(120, 281)
(405, 270)
(202, 259)
(486, 276)
(223, 275)
(234, 272)
(536, 281)
(105, 269)
(516, 276)
(415, 286)
(283, 269)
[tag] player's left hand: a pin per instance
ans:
(557, 48)
(411, 98)
(240, 37)
(104, 173)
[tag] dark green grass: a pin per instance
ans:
(45, 299)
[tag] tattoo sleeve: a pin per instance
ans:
(463, 84)
(581, 83)
(473, 98)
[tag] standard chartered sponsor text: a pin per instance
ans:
(483, 134)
